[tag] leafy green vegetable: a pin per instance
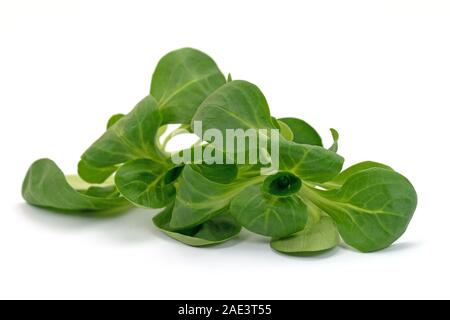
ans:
(95, 174)
(46, 186)
(335, 135)
(236, 105)
(112, 121)
(132, 137)
(286, 131)
(215, 231)
(317, 237)
(311, 163)
(220, 173)
(372, 209)
(302, 132)
(294, 191)
(268, 215)
(143, 182)
(199, 199)
(282, 184)
(181, 81)
(347, 173)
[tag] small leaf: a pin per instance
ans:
(286, 131)
(112, 121)
(268, 215)
(302, 132)
(181, 82)
(315, 238)
(46, 186)
(229, 78)
(215, 231)
(282, 184)
(335, 136)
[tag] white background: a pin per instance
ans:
(378, 71)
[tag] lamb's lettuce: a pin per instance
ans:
(306, 204)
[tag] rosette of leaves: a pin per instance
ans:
(369, 205)
(305, 207)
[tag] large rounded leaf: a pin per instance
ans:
(268, 215)
(236, 105)
(181, 81)
(372, 209)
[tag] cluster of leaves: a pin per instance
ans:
(306, 207)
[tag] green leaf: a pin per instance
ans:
(181, 82)
(310, 163)
(268, 215)
(99, 174)
(101, 192)
(94, 174)
(236, 105)
(46, 186)
(215, 231)
(303, 204)
(200, 199)
(112, 121)
(202, 193)
(302, 132)
(282, 184)
(286, 131)
(221, 173)
(146, 183)
(314, 239)
(335, 135)
(340, 179)
(372, 209)
(133, 137)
